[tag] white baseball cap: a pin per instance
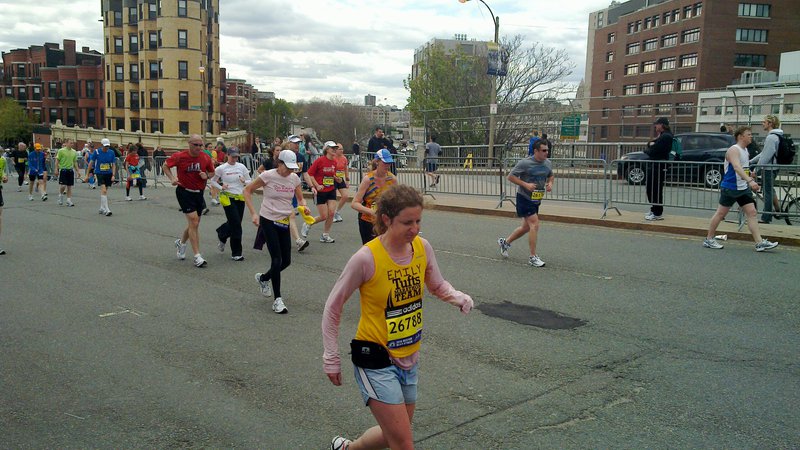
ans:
(289, 158)
(331, 144)
(105, 142)
(295, 139)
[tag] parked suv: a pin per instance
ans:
(697, 147)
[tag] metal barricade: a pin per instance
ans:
(463, 176)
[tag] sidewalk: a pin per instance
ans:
(590, 214)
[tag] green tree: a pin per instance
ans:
(273, 119)
(334, 120)
(14, 123)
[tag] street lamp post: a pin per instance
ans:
(202, 100)
(493, 83)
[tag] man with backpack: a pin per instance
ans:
(767, 158)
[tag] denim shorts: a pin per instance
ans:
(391, 385)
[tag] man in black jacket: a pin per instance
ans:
(658, 150)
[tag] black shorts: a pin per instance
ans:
(34, 176)
(66, 177)
(324, 197)
(340, 184)
(526, 207)
(190, 201)
(727, 197)
(103, 179)
(1, 197)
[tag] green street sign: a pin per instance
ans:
(571, 127)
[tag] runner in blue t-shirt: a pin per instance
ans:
(103, 163)
(37, 171)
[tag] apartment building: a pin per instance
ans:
(52, 83)
(161, 66)
(650, 58)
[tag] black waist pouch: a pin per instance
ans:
(369, 355)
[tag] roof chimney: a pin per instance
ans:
(69, 52)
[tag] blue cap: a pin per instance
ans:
(384, 156)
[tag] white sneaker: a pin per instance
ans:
(128, 199)
(142, 197)
(304, 230)
(340, 443)
(19, 189)
(107, 213)
(302, 244)
(69, 203)
(535, 261)
(220, 246)
(712, 243)
(214, 202)
(504, 246)
(266, 289)
(199, 261)
(765, 245)
(60, 199)
(101, 211)
(326, 239)
(181, 249)
(30, 197)
(237, 258)
(337, 217)
(44, 197)
(650, 216)
(278, 307)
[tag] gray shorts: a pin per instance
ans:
(391, 385)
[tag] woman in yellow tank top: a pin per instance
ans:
(371, 187)
(391, 273)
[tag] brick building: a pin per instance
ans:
(241, 104)
(52, 83)
(650, 58)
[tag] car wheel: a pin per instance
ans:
(635, 175)
(713, 177)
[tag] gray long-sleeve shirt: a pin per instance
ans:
(770, 150)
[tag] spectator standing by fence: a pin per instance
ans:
(768, 156)
(432, 152)
(657, 151)
(532, 142)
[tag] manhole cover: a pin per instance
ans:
(530, 315)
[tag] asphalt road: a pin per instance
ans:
(107, 341)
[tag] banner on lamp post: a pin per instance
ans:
(497, 58)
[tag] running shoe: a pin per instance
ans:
(60, 199)
(128, 199)
(30, 197)
(437, 180)
(712, 243)
(101, 211)
(206, 211)
(199, 261)
(278, 307)
(326, 239)
(302, 244)
(93, 186)
(108, 213)
(237, 258)
(44, 197)
(214, 202)
(340, 443)
(504, 246)
(142, 197)
(181, 249)
(19, 189)
(651, 217)
(535, 261)
(765, 245)
(266, 289)
(220, 246)
(69, 203)
(304, 230)
(337, 217)
(2, 252)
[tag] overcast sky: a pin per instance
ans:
(325, 48)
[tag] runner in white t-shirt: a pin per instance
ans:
(230, 179)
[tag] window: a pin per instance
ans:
(117, 18)
(788, 108)
(655, 20)
(776, 108)
(156, 126)
(668, 63)
(134, 73)
(182, 38)
(52, 90)
(645, 110)
(599, 18)
(748, 35)
(119, 72)
(692, 35)
(135, 101)
(183, 100)
(153, 40)
(634, 27)
(649, 66)
(119, 97)
(632, 69)
(90, 92)
(669, 40)
(133, 43)
(70, 89)
(609, 75)
(753, 10)
(21, 71)
(718, 110)
(156, 99)
(183, 127)
(664, 108)
(132, 16)
(607, 93)
(647, 88)
(118, 45)
(650, 44)
(647, 22)
(182, 9)
(120, 123)
(183, 70)
(611, 38)
(687, 11)
(643, 130)
(605, 113)
(628, 111)
(159, 39)
(746, 60)
(9, 92)
(37, 93)
(155, 70)
(687, 84)
(626, 130)
(22, 93)
(55, 114)
(629, 89)
(632, 48)
(684, 108)
(91, 118)
(698, 9)
(609, 56)
(666, 86)
(689, 60)
(152, 12)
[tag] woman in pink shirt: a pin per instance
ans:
(391, 272)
